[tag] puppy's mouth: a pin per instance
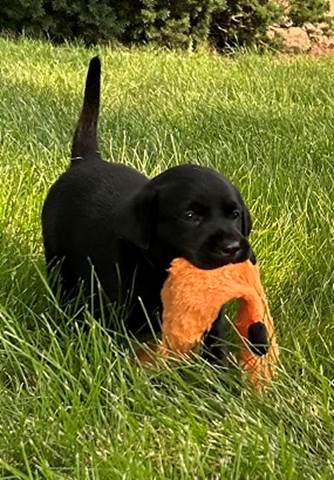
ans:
(208, 260)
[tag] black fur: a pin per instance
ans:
(258, 338)
(85, 138)
(129, 227)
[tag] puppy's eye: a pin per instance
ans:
(189, 214)
(235, 214)
(192, 216)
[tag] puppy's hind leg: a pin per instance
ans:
(62, 285)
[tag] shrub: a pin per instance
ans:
(22, 14)
(91, 20)
(173, 23)
(243, 22)
(302, 11)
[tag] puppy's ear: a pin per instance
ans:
(246, 225)
(246, 228)
(246, 221)
(135, 220)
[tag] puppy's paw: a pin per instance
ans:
(258, 338)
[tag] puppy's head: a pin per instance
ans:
(191, 212)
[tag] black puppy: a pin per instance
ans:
(129, 228)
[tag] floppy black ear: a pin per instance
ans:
(246, 228)
(246, 224)
(246, 221)
(136, 217)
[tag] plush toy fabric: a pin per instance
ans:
(192, 299)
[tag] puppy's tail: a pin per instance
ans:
(85, 138)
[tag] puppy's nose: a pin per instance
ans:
(231, 247)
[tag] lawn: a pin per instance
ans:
(73, 405)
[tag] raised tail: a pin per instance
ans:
(85, 137)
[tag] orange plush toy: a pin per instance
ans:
(192, 299)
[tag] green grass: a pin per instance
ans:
(72, 404)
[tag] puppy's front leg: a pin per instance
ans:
(214, 350)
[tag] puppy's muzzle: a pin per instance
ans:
(231, 247)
